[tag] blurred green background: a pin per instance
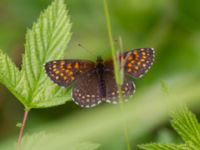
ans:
(172, 27)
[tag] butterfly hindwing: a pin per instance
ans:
(64, 72)
(86, 91)
(138, 61)
(112, 93)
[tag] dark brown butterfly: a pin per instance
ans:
(95, 82)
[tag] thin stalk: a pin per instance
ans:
(127, 140)
(122, 63)
(21, 131)
(109, 29)
(118, 69)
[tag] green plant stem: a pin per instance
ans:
(124, 121)
(122, 63)
(109, 29)
(117, 70)
(21, 131)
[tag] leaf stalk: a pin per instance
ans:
(21, 131)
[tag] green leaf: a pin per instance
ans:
(46, 41)
(86, 146)
(186, 124)
(19, 125)
(9, 74)
(8, 71)
(40, 141)
(163, 147)
(164, 87)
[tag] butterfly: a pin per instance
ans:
(95, 82)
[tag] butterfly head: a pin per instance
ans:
(99, 60)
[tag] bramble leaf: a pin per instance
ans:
(186, 124)
(31, 142)
(46, 41)
(163, 147)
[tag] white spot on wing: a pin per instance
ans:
(108, 101)
(114, 102)
(93, 105)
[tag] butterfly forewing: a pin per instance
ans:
(86, 92)
(64, 72)
(135, 62)
(138, 61)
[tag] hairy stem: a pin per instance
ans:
(22, 129)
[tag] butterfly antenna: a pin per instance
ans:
(87, 50)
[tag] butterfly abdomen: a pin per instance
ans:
(102, 87)
(102, 84)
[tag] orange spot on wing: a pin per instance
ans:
(62, 63)
(69, 66)
(135, 52)
(129, 70)
(144, 57)
(132, 61)
(129, 64)
(57, 72)
(70, 73)
(143, 53)
(76, 66)
(130, 58)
